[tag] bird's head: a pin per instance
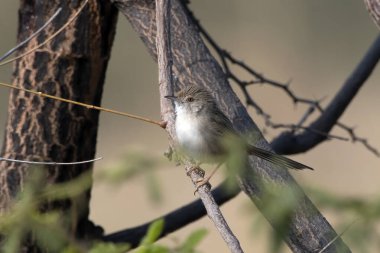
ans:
(192, 99)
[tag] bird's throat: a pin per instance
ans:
(189, 132)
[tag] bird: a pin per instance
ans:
(201, 129)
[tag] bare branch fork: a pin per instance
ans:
(329, 117)
(164, 58)
(313, 131)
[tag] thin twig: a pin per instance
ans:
(49, 163)
(306, 115)
(31, 36)
(51, 37)
(88, 106)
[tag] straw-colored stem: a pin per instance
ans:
(161, 124)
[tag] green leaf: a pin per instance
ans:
(131, 165)
(158, 249)
(192, 241)
(153, 186)
(110, 248)
(71, 249)
(152, 248)
(154, 232)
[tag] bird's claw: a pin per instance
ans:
(201, 182)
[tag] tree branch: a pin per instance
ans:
(37, 129)
(173, 220)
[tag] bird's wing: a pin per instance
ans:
(220, 122)
(219, 119)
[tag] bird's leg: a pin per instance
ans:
(206, 180)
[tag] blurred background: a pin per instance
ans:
(316, 44)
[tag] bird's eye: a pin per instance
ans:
(189, 99)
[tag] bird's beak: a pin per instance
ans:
(171, 97)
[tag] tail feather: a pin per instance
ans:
(276, 159)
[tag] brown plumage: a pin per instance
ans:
(201, 128)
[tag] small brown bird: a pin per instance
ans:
(201, 129)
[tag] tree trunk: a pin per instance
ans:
(71, 66)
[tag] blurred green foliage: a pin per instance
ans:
(357, 218)
(49, 230)
(147, 245)
(131, 165)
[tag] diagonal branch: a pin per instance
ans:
(173, 220)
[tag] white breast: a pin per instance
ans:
(188, 132)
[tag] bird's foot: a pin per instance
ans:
(201, 182)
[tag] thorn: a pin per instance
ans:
(163, 124)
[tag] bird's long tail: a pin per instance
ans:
(276, 159)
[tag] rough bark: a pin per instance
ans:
(373, 7)
(70, 66)
(193, 63)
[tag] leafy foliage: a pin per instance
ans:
(49, 229)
